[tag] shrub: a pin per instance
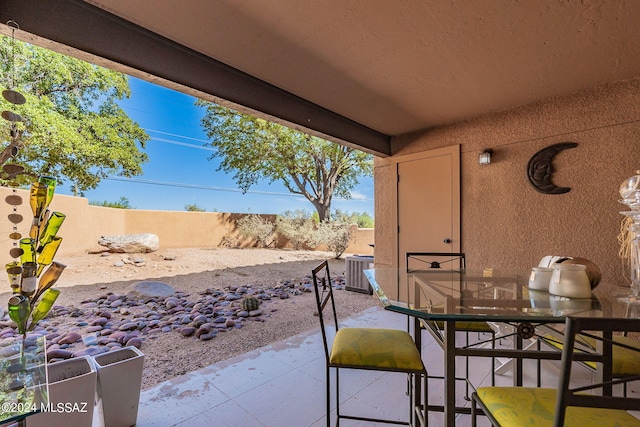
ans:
(298, 227)
(194, 208)
(336, 235)
(122, 203)
(258, 228)
(229, 241)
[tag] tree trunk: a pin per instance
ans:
(323, 210)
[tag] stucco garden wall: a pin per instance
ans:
(85, 224)
(505, 221)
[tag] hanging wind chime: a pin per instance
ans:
(32, 253)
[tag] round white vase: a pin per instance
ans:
(570, 280)
(540, 278)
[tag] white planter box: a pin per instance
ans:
(72, 390)
(119, 382)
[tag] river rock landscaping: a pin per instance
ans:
(111, 321)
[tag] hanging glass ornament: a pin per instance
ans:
(630, 193)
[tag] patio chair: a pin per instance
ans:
(454, 262)
(377, 349)
(625, 362)
(568, 405)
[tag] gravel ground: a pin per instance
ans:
(192, 271)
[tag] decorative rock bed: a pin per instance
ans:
(112, 321)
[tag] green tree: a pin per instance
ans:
(254, 149)
(364, 220)
(73, 128)
(122, 203)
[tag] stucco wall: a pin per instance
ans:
(505, 222)
(85, 224)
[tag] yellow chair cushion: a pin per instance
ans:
(469, 326)
(375, 348)
(625, 362)
(524, 406)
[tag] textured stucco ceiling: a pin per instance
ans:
(355, 71)
(401, 66)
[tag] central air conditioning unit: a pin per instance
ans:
(355, 278)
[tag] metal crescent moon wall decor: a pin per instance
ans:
(540, 168)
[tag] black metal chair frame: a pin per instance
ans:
(417, 401)
(453, 256)
(436, 329)
(599, 329)
(580, 345)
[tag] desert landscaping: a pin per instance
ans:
(203, 322)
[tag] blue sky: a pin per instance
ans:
(177, 157)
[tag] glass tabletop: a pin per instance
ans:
(485, 295)
(23, 379)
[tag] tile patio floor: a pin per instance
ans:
(282, 385)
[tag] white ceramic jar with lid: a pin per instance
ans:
(570, 280)
(540, 278)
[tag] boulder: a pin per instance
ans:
(151, 289)
(131, 243)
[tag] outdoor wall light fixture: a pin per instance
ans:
(485, 157)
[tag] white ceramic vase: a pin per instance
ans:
(540, 278)
(570, 280)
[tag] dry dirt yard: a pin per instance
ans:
(192, 271)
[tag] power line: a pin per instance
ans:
(184, 144)
(178, 135)
(197, 186)
(174, 142)
(213, 188)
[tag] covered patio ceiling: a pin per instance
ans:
(354, 71)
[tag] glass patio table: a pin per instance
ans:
(23, 380)
(451, 297)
